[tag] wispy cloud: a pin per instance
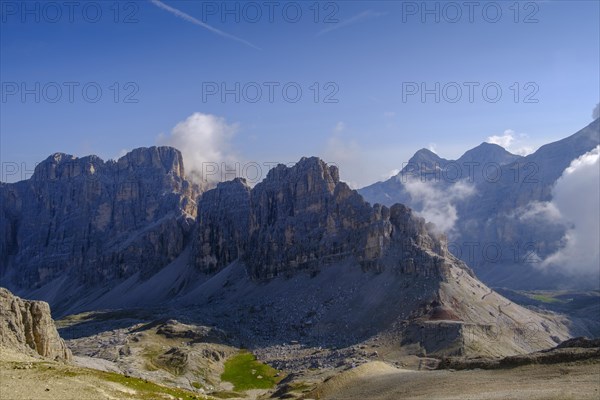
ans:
(195, 21)
(350, 21)
(344, 152)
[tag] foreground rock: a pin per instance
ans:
(28, 326)
(577, 349)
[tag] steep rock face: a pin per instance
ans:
(28, 325)
(223, 225)
(302, 218)
(95, 220)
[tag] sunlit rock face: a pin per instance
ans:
(27, 325)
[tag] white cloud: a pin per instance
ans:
(596, 112)
(205, 142)
(437, 203)
(512, 142)
(537, 211)
(505, 140)
(523, 150)
(432, 148)
(576, 195)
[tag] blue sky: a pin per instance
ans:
(366, 56)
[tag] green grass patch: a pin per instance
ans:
(245, 373)
(150, 354)
(545, 299)
(146, 389)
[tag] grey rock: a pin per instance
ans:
(28, 325)
(94, 221)
(303, 218)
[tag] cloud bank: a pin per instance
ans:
(576, 196)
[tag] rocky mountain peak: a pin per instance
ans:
(302, 218)
(94, 220)
(145, 160)
(424, 159)
(164, 158)
(61, 166)
(312, 172)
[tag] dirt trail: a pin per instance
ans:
(538, 382)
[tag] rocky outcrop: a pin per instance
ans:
(95, 221)
(28, 325)
(223, 225)
(302, 218)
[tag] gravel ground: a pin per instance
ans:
(544, 382)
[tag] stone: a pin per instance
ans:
(28, 325)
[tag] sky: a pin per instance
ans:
(361, 84)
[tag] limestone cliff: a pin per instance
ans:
(27, 325)
(95, 221)
(304, 218)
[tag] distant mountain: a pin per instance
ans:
(502, 182)
(488, 216)
(487, 153)
(426, 166)
(425, 160)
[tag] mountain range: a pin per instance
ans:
(299, 256)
